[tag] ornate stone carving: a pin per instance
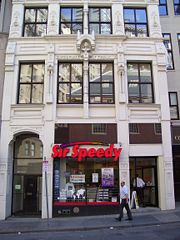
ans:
(86, 45)
(118, 23)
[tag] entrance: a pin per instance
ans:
(27, 181)
(146, 169)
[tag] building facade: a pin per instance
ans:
(85, 105)
(5, 18)
(170, 19)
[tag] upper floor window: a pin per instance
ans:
(177, 7)
(31, 83)
(133, 128)
(173, 102)
(140, 84)
(163, 11)
(71, 20)
(70, 84)
(178, 37)
(101, 83)
(135, 20)
(99, 128)
(100, 20)
(35, 22)
(168, 45)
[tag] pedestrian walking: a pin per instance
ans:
(139, 185)
(124, 196)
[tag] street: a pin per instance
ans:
(156, 232)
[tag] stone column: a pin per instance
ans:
(85, 18)
(85, 89)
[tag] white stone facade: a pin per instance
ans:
(40, 119)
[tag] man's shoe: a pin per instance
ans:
(118, 219)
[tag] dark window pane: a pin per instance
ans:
(37, 93)
(107, 89)
(146, 93)
(94, 15)
(29, 30)
(30, 15)
(65, 28)
(25, 74)
(94, 27)
(24, 93)
(77, 15)
(141, 16)
(129, 15)
(177, 9)
(64, 72)
(38, 73)
(105, 28)
(77, 27)
(42, 15)
(95, 89)
(141, 30)
(130, 30)
(134, 93)
(105, 15)
(65, 14)
(174, 112)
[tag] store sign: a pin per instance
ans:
(77, 178)
(80, 152)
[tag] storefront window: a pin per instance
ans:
(91, 181)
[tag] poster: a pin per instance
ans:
(95, 177)
(107, 177)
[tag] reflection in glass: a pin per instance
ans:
(38, 73)
(94, 15)
(76, 27)
(133, 93)
(145, 73)
(24, 93)
(141, 16)
(42, 15)
(133, 73)
(107, 73)
(130, 30)
(105, 28)
(141, 30)
(30, 15)
(146, 93)
(129, 15)
(65, 14)
(95, 89)
(25, 74)
(64, 72)
(40, 29)
(105, 15)
(94, 27)
(37, 93)
(29, 30)
(77, 15)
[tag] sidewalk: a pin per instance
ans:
(141, 217)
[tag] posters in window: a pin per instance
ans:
(107, 177)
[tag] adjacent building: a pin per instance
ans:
(85, 106)
(170, 24)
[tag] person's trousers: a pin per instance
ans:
(126, 205)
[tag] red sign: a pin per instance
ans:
(80, 153)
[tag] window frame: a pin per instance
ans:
(134, 128)
(34, 23)
(163, 5)
(101, 126)
(140, 84)
(157, 129)
(30, 83)
(178, 5)
(100, 22)
(71, 21)
(70, 82)
(136, 23)
(174, 105)
(169, 51)
(101, 82)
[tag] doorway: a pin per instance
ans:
(146, 169)
(27, 180)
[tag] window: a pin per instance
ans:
(168, 45)
(99, 128)
(177, 7)
(70, 83)
(71, 20)
(157, 128)
(35, 22)
(100, 20)
(140, 83)
(31, 83)
(163, 11)
(178, 36)
(133, 128)
(173, 102)
(135, 21)
(101, 83)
